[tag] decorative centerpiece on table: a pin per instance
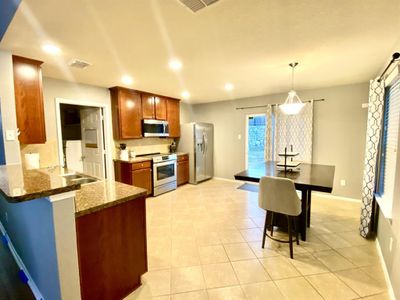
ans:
(288, 164)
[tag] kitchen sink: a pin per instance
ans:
(79, 178)
(84, 180)
(73, 176)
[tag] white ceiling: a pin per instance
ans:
(246, 42)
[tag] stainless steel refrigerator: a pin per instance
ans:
(197, 139)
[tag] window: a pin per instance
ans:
(388, 148)
(255, 139)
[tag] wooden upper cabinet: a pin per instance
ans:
(148, 106)
(160, 108)
(127, 113)
(154, 107)
(173, 117)
(29, 100)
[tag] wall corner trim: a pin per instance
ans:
(385, 271)
(21, 265)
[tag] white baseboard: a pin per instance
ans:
(225, 179)
(385, 271)
(330, 196)
(21, 265)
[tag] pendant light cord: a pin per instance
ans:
(293, 65)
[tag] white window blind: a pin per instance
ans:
(392, 119)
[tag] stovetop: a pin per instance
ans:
(158, 157)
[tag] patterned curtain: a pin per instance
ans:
(285, 130)
(269, 148)
(374, 126)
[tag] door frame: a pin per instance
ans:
(246, 149)
(108, 162)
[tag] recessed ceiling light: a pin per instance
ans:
(175, 64)
(51, 49)
(185, 95)
(126, 79)
(229, 86)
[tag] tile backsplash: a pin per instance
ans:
(146, 145)
(48, 153)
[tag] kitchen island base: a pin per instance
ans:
(112, 250)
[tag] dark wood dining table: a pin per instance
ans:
(310, 177)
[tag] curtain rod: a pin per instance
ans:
(259, 106)
(395, 56)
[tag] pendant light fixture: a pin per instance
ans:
(293, 104)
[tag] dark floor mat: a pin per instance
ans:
(11, 286)
(249, 187)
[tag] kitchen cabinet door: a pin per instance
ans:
(29, 100)
(127, 113)
(173, 117)
(182, 169)
(160, 108)
(143, 178)
(112, 250)
(148, 106)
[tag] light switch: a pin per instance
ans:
(239, 136)
(10, 135)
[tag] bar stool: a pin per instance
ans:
(278, 195)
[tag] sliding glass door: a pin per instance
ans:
(255, 139)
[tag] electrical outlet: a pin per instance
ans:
(390, 244)
(342, 182)
(10, 135)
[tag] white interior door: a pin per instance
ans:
(92, 142)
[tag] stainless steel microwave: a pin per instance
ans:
(155, 128)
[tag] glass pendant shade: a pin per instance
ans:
(292, 105)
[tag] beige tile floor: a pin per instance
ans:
(204, 242)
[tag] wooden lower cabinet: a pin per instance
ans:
(182, 166)
(112, 250)
(138, 174)
(143, 178)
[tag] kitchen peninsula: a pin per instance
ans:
(75, 241)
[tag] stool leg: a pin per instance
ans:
(296, 230)
(272, 223)
(290, 235)
(265, 230)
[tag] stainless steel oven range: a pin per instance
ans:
(164, 173)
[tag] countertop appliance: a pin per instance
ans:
(197, 139)
(164, 172)
(155, 128)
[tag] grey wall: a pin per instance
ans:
(31, 230)
(339, 132)
(390, 229)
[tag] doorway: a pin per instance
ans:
(255, 139)
(81, 138)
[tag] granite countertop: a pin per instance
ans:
(18, 184)
(95, 196)
(144, 158)
(135, 160)
(181, 153)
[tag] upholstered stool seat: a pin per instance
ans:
(279, 195)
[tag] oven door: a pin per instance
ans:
(164, 172)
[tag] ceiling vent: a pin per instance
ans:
(195, 5)
(77, 63)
